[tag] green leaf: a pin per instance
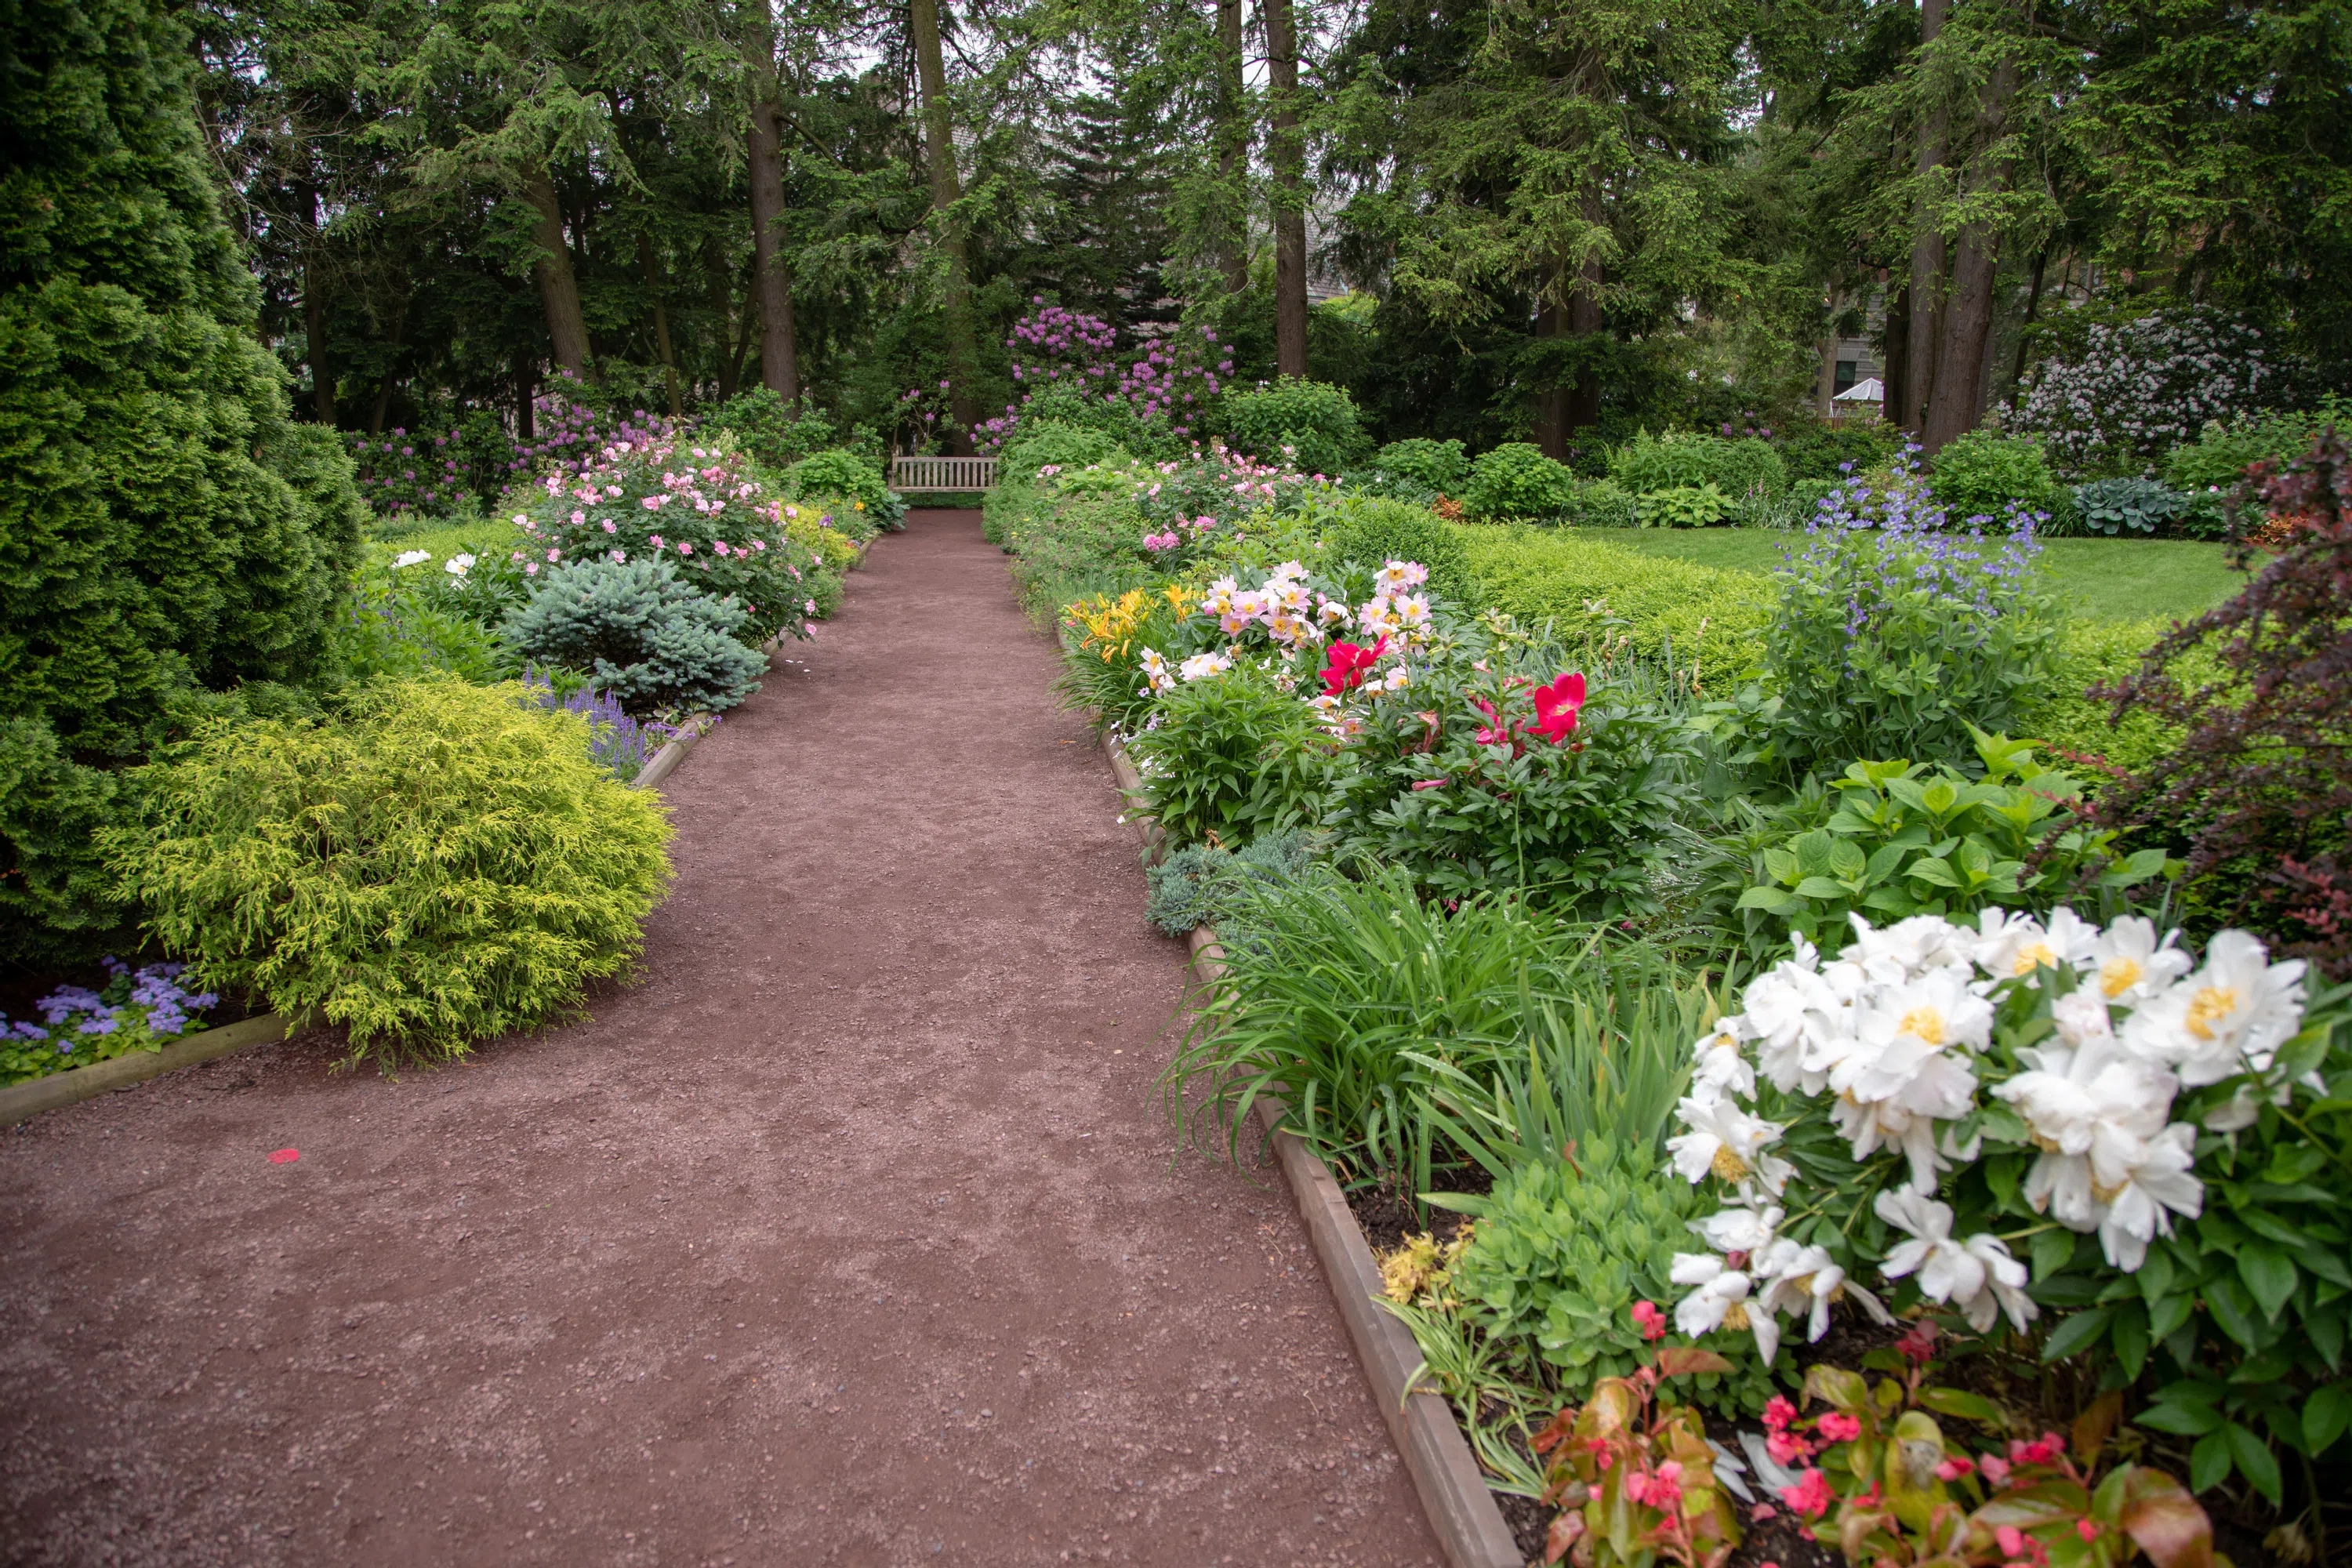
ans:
(2270, 1275)
(1959, 1401)
(2130, 1338)
(2181, 1420)
(2050, 1250)
(2077, 1333)
(1822, 888)
(1934, 872)
(1772, 901)
(2208, 1462)
(2325, 1417)
(2255, 1461)
(2233, 1309)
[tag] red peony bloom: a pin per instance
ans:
(1349, 662)
(1555, 707)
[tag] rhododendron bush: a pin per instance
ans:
(697, 506)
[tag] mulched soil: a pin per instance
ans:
(853, 1233)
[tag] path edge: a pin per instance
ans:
(23, 1101)
(1460, 1510)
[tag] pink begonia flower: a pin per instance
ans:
(1839, 1429)
(1810, 1496)
(657, 542)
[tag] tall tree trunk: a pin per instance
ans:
(314, 313)
(559, 290)
(391, 376)
(661, 318)
(1287, 150)
(1927, 259)
(780, 365)
(1896, 381)
(938, 149)
(526, 375)
(1234, 136)
(1825, 379)
(1956, 400)
(2025, 327)
(1551, 402)
(1584, 322)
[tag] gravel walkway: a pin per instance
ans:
(852, 1234)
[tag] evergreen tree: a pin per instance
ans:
(163, 525)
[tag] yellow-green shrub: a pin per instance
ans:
(1584, 586)
(833, 545)
(2090, 652)
(437, 864)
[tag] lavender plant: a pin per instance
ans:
(1896, 634)
(620, 743)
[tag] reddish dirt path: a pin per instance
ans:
(851, 1235)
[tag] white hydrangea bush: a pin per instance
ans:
(2139, 388)
(1940, 1101)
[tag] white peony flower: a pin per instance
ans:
(1740, 1228)
(411, 557)
(2132, 965)
(1908, 948)
(1798, 1017)
(2228, 1017)
(2109, 1159)
(1728, 1140)
(2013, 946)
(1720, 1301)
(1978, 1274)
(1203, 665)
(2082, 1016)
(457, 566)
(1805, 1281)
(1722, 1060)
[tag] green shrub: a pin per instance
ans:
(1684, 506)
(1439, 465)
(1316, 421)
(1592, 591)
(57, 901)
(1563, 1249)
(1680, 459)
(2126, 506)
(1600, 503)
(1516, 482)
(837, 476)
(1822, 451)
(1202, 884)
(1231, 760)
(166, 522)
(643, 633)
(1052, 443)
(1373, 532)
(1910, 841)
(438, 864)
(776, 434)
(1979, 474)
(2074, 726)
(1067, 404)
(1068, 544)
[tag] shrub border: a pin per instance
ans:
(1454, 1495)
(22, 1101)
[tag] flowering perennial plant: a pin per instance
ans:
(1965, 1088)
(1636, 1482)
(2135, 389)
(698, 507)
(620, 743)
(1163, 379)
(438, 470)
(135, 1010)
(1875, 1476)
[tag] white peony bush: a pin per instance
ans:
(1939, 1092)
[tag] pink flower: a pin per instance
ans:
(1649, 1320)
(611, 527)
(1996, 1469)
(759, 544)
(1810, 1496)
(1431, 783)
(1556, 706)
(1778, 1413)
(1953, 1468)
(1839, 1429)
(530, 569)
(657, 542)
(653, 503)
(1787, 1447)
(683, 547)
(2087, 1528)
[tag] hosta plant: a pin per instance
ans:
(1906, 839)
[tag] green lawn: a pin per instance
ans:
(2106, 579)
(444, 537)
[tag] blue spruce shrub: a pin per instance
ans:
(643, 634)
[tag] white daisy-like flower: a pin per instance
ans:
(1805, 1281)
(1203, 665)
(1977, 1275)
(1722, 1061)
(1907, 949)
(1728, 1141)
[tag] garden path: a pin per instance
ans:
(852, 1234)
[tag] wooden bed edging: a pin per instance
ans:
(1453, 1489)
(22, 1101)
(1445, 1476)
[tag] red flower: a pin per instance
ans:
(1555, 706)
(1349, 662)
(1649, 1320)
(1778, 1413)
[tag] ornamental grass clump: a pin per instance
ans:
(435, 865)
